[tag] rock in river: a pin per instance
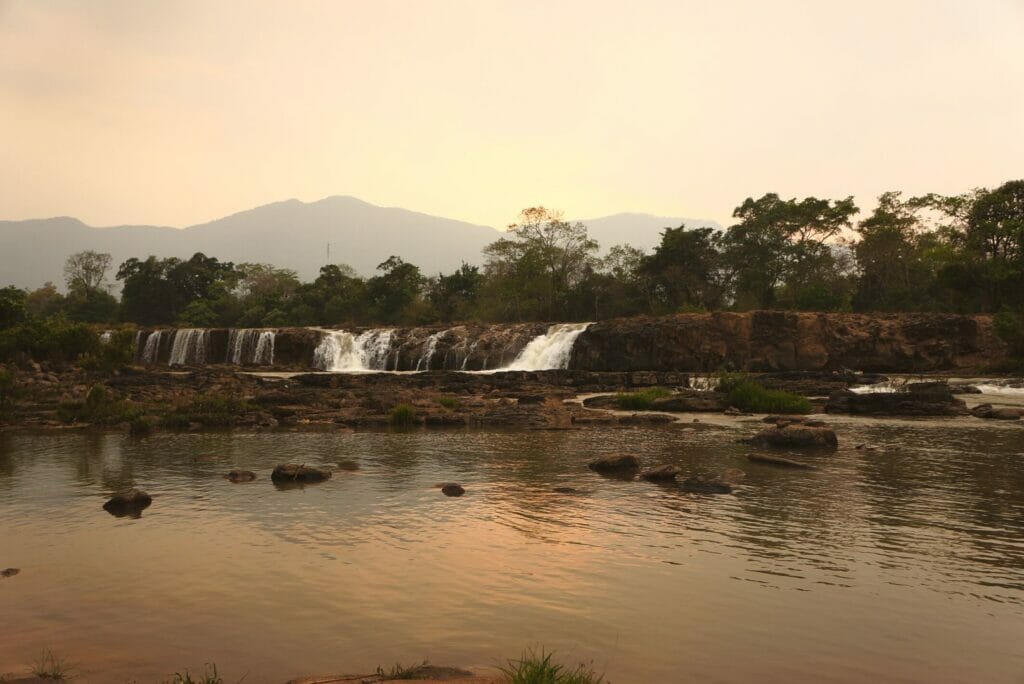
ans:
(621, 463)
(238, 476)
(996, 412)
(452, 489)
(291, 472)
(796, 436)
(662, 473)
(128, 502)
(917, 399)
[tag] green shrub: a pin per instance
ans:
(48, 339)
(1009, 326)
(117, 352)
(210, 411)
(8, 393)
(449, 402)
(541, 669)
(101, 407)
(642, 400)
(140, 426)
(748, 395)
(403, 415)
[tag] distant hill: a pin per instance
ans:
(289, 234)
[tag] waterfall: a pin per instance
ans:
(550, 350)
(250, 346)
(189, 347)
(151, 350)
(342, 351)
(264, 355)
(106, 336)
(429, 347)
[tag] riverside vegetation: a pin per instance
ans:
(932, 253)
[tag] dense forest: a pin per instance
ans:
(962, 253)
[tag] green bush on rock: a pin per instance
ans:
(642, 400)
(748, 395)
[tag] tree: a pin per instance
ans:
(147, 296)
(12, 305)
(686, 270)
(86, 271)
(995, 237)
(394, 293)
(784, 243)
(454, 296)
(45, 301)
(534, 271)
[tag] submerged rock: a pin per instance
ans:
(291, 472)
(701, 485)
(797, 436)
(239, 476)
(348, 465)
(917, 399)
(662, 473)
(452, 489)
(991, 412)
(129, 502)
(9, 572)
(779, 461)
(620, 463)
(566, 490)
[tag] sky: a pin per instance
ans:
(175, 113)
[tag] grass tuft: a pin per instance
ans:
(212, 410)
(209, 676)
(747, 395)
(449, 402)
(399, 672)
(641, 400)
(403, 415)
(532, 668)
(50, 666)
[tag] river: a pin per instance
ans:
(902, 563)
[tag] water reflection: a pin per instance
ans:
(876, 535)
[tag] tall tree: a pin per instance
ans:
(686, 270)
(86, 270)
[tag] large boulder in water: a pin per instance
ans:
(997, 412)
(917, 399)
(128, 502)
(701, 485)
(617, 464)
(291, 472)
(240, 476)
(796, 436)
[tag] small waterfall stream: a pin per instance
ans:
(188, 348)
(341, 351)
(550, 350)
(151, 349)
(250, 346)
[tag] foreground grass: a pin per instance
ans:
(403, 415)
(640, 401)
(748, 395)
(209, 676)
(534, 668)
(50, 666)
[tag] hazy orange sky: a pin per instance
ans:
(178, 112)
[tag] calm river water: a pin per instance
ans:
(901, 564)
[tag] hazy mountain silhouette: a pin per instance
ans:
(289, 234)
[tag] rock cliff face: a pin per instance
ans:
(759, 341)
(772, 341)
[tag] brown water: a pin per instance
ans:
(901, 564)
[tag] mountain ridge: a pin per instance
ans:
(292, 234)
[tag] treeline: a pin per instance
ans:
(962, 253)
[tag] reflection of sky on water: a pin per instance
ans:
(895, 559)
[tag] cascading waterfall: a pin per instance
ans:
(429, 348)
(550, 350)
(250, 346)
(151, 350)
(189, 347)
(342, 351)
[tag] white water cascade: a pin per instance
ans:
(341, 351)
(429, 347)
(250, 346)
(152, 347)
(189, 347)
(550, 350)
